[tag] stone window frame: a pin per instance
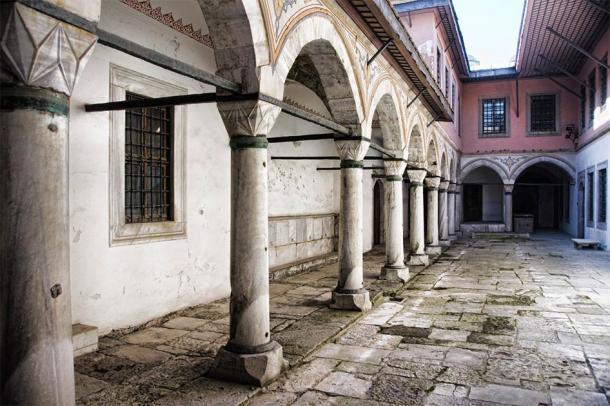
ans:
(590, 198)
(121, 233)
(528, 113)
(506, 97)
(602, 225)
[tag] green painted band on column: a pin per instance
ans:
(394, 178)
(432, 188)
(416, 184)
(243, 142)
(25, 98)
(350, 163)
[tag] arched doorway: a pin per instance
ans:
(483, 200)
(543, 192)
(378, 210)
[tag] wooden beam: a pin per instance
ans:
(599, 6)
(297, 138)
(166, 101)
(565, 71)
(558, 83)
(578, 48)
(415, 98)
(379, 51)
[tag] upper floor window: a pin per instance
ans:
(543, 113)
(148, 163)
(438, 66)
(446, 81)
(603, 82)
(493, 116)
(583, 106)
(591, 81)
(453, 96)
(602, 194)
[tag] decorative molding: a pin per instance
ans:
(168, 19)
(352, 150)
(123, 80)
(394, 168)
(509, 161)
(43, 51)
(304, 107)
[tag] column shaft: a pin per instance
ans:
(451, 211)
(416, 223)
(36, 355)
(508, 208)
(394, 268)
(459, 210)
(442, 214)
(432, 242)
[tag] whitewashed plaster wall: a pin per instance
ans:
(593, 154)
(119, 286)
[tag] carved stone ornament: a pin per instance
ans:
(45, 52)
(432, 182)
(354, 150)
(416, 175)
(394, 168)
(248, 118)
(443, 185)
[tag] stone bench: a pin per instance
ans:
(580, 243)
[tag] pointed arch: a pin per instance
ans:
(384, 114)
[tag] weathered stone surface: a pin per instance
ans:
(400, 390)
(185, 323)
(352, 353)
(566, 397)
(508, 395)
(140, 354)
(153, 335)
(346, 384)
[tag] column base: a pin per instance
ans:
(434, 250)
(358, 300)
(444, 243)
(419, 259)
(394, 273)
(249, 369)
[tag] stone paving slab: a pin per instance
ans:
(493, 322)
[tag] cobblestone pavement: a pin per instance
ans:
(493, 321)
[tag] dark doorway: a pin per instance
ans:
(539, 191)
(378, 213)
(580, 206)
(473, 202)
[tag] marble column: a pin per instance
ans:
(350, 293)
(38, 76)
(432, 244)
(250, 356)
(508, 207)
(451, 211)
(459, 209)
(417, 247)
(394, 268)
(443, 224)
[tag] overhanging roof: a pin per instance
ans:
(580, 21)
(380, 23)
(450, 24)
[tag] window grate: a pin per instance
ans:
(446, 82)
(591, 97)
(148, 163)
(438, 66)
(543, 113)
(602, 193)
(590, 185)
(494, 116)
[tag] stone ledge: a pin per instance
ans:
(84, 339)
(297, 267)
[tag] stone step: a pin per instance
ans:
(585, 243)
(84, 339)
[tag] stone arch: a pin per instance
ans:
(416, 154)
(383, 115)
(566, 166)
(472, 165)
(444, 167)
(316, 45)
(240, 42)
(432, 158)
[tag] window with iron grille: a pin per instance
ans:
(590, 186)
(603, 82)
(591, 97)
(453, 96)
(602, 194)
(493, 116)
(446, 82)
(583, 106)
(148, 163)
(438, 66)
(543, 113)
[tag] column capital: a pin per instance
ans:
(42, 51)
(451, 188)
(352, 149)
(443, 185)
(432, 182)
(394, 167)
(416, 176)
(249, 117)
(508, 188)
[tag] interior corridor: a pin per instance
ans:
(510, 321)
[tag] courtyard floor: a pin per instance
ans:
(493, 321)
